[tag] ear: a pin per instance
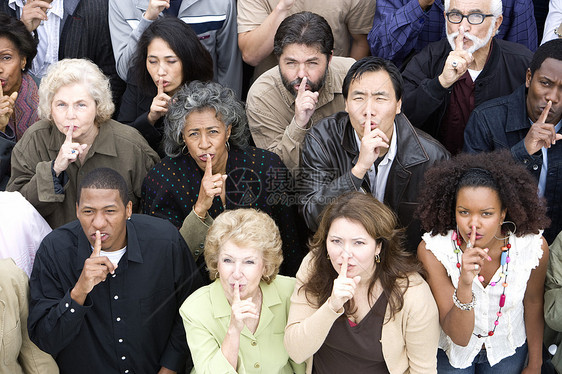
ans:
(528, 78)
(77, 210)
(503, 214)
(23, 62)
(129, 209)
(399, 106)
(499, 21)
(228, 130)
(330, 57)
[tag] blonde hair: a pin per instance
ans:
(248, 228)
(76, 71)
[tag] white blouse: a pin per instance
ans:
(524, 256)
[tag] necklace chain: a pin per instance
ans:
(504, 263)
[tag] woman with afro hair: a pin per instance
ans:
(486, 261)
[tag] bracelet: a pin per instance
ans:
(198, 216)
(461, 306)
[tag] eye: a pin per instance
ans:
(313, 63)
(358, 98)
(110, 211)
(152, 62)
(336, 241)
(7, 57)
(227, 260)
(250, 262)
(214, 131)
(487, 214)
(545, 83)
(192, 134)
(463, 212)
(381, 99)
(61, 104)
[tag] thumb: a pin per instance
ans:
(14, 95)
(357, 279)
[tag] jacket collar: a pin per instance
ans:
(517, 117)
(104, 142)
(409, 150)
(221, 307)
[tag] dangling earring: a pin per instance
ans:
(185, 151)
(509, 232)
(217, 275)
(227, 146)
(328, 256)
(378, 258)
(456, 236)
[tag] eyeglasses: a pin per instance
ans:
(472, 18)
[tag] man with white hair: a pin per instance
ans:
(449, 78)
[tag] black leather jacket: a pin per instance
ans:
(329, 153)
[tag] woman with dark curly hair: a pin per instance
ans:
(359, 304)
(486, 262)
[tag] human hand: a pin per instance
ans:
(457, 62)
(33, 12)
(305, 105)
(95, 270)
(6, 108)
(164, 370)
(211, 185)
(285, 5)
(242, 310)
(344, 287)
(155, 7)
(472, 260)
(370, 149)
(541, 134)
(68, 152)
(159, 106)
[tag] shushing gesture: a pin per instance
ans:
(160, 103)
(344, 287)
(242, 310)
(6, 108)
(541, 134)
(95, 271)
(68, 152)
(211, 185)
(305, 105)
(472, 260)
(457, 62)
(371, 144)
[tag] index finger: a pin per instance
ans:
(544, 114)
(236, 291)
(473, 235)
(343, 269)
(97, 245)
(459, 41)
(69, 134)
(208, 166)
(302, 86)
(1, 91)
(367, 124)
(160, 86)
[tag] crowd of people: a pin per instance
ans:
(280, 186)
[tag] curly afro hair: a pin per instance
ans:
(516, 187)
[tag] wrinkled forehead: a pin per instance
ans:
(470, 6)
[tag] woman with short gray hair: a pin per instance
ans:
(211, 168)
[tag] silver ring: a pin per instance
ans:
(454, 64)
(476, 267)
(468, 245)
(215, 184)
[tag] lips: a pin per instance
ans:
(104, 236)
(203, 157)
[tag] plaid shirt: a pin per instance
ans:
(400, 27)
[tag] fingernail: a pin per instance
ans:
(489, 258)
(486, 250)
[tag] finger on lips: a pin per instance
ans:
(343, 269)
(544, 113)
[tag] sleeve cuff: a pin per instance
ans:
(70, 309)
(194, 232)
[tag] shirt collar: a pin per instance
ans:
(15, 3)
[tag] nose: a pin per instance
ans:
(237, 274)
(346, 251)
(98, 221)
(553, 95)
(161, 70)
(204, 142)
(70, 112)
(302, 71)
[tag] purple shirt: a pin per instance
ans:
(401, 26)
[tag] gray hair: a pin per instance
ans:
(495, 7)
(71, 71)
(198, 96)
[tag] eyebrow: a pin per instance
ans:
(462, 207)
(204, 128)
(289, 58)
(375, 93)
(168, 56)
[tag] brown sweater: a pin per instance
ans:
(409, 340)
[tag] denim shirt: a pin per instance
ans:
(503, 123)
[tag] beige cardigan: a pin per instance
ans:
(409, 340)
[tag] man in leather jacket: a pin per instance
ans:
(370, 147)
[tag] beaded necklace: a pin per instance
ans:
(504, 263)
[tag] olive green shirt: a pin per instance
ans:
(117, 146)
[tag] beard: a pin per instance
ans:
(314, 86)
(477, 42)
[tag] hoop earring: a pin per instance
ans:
(509, 232)
(227, 146)
(184, 150)
(378, 258)
(217, 275)
(266, 278)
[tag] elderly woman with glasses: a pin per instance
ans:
(76, 135)
(210, 168)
